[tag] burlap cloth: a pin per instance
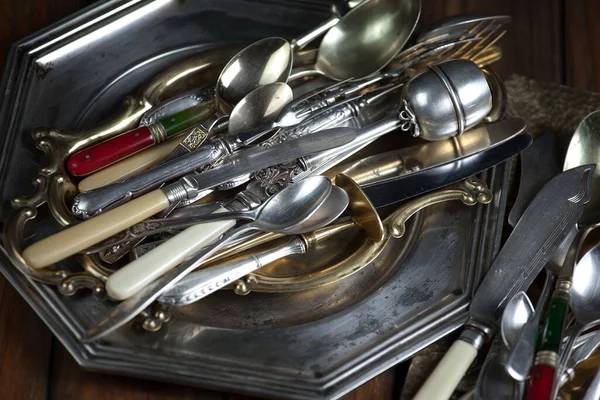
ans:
(547, 107)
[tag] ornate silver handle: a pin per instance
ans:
(96, 201)
(200, 284)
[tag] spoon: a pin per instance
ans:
(263, 62)
(585, 295)
(582, 353)
(338, 10)
(293, 217)
(261, 106)
(314, 191)
(584, 149)
(206, 281)
(493, 381)
(521, 356)
(365, 40)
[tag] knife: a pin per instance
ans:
(429, 166)
(81, 236)
(538, 234)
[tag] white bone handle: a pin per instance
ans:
(88, 233)
(139, 273)
(137, 163)
(445, 377)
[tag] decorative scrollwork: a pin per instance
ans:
(327, 119)
(194, 139)
(273, 179)
(408, 119)
(471, 192)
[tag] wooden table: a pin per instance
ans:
(549, 40)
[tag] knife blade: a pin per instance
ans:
(537, 235)
(83, 235)
(394, 190)
(391, 164)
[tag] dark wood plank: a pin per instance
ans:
(532, 44)
(582, 39)
(20, 18)
(70, 382)
(24, 348)
(25, 341)
(382, 387)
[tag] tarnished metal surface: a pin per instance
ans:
(317, 343)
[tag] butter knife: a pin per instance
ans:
(538, 234)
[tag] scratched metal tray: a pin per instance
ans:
(280, 345)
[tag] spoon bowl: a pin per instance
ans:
(289, 210)
(327, 212)
(259, 108)
(265, 61)
(365, 40)
(517, 312)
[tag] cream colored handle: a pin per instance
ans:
(81, 236)
(133, 165)
(133, 277)
(445, 377)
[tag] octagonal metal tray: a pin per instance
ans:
(281, 345)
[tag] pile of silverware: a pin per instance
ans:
(281, 149)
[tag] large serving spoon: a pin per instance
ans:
(365, 40)
(293, 217)
(129, 280)
(206, 281)
(263, 62)
(338, 9)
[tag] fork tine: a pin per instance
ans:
(488, 45)
(478, 30)
(474, 31)
(491, 55)
(325, 88)
(491, 37)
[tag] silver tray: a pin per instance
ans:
(74, 74)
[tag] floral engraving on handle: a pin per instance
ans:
(195, 139)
